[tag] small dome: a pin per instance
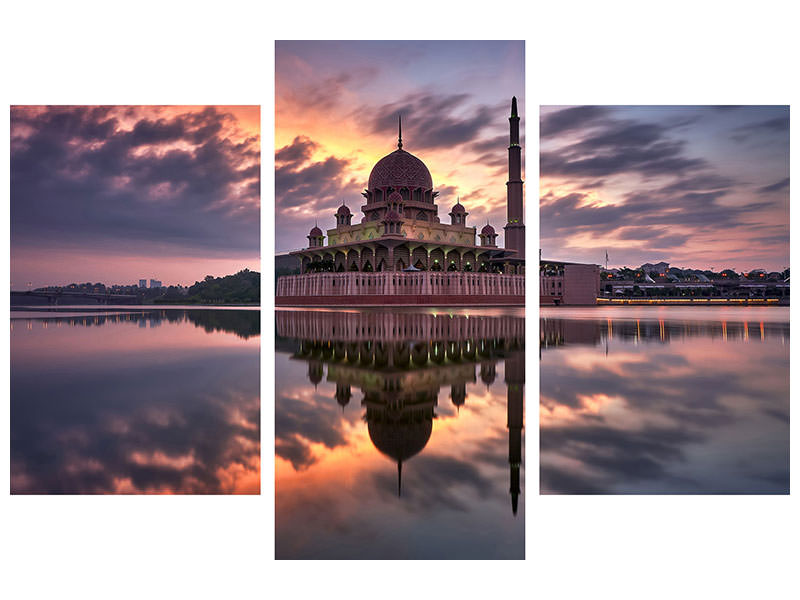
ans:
(392, 216)
(458, 208)
(395, 197)
(400, 169)
(316, 232)
(487, 230)
(343, 210)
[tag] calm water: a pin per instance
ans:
(399, 434)
(664, 400)
(135, 401)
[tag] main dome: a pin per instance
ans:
(400, 440)
(400, 169)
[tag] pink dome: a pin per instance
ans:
(400, 169)
(316, 232)
(487, 230)
(343, 210)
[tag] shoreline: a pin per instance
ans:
(712, 303)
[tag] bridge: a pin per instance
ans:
(55, 297)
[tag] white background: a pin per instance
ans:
(222, 53)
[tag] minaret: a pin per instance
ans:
(515, 229)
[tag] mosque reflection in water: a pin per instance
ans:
(684, 401)
(440, 395)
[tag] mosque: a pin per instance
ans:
(401, 252)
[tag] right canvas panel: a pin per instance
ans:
(664, 299)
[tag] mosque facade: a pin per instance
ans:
(402, 252)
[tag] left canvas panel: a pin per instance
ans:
(135, 291)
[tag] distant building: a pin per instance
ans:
(143, 283)
(155, 283)
(565, 283)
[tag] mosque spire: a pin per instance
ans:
(399, 132)
(514, 106)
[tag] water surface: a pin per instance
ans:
(399, 434)
(664, 400)
(135, 400)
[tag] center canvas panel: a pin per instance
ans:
(400, 292)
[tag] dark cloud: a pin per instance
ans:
(296, 153)
(779, 124)
(657, 237)
(620, 147)
(570, 119)
(80, 179)
(692, 202)
(317, 187)
(430, 121)
(775, 187)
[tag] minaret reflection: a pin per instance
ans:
(515, 382)
(401, 361)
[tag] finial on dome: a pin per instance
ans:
(399, 132)
(514, 106)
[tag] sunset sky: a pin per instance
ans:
(336, 116)
(695, 186)
(115, 194)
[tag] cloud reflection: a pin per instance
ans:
(174, 420)
(664, 406)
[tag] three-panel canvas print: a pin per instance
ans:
(398, 284)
